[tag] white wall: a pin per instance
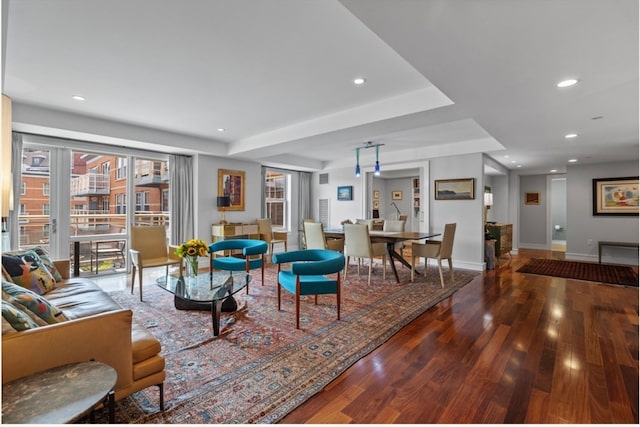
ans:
(583, 226)
(533, 218)
(468, 247)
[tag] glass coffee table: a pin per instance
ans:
(211, 292)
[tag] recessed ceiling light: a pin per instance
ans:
(597, 117)
(519, 166)
(359, 81)
(79, 98)
(573, 160)
(221, 129)
(513, 161)
(506, 156)
(571, 135)
(567, 83)
(553, 170)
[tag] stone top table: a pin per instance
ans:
(59, 395)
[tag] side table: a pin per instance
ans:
(59, 395)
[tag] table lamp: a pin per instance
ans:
(223, 202)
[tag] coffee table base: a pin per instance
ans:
(229, 305)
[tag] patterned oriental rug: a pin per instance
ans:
(603, 273)
(260, 367)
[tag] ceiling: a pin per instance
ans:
(442, 77)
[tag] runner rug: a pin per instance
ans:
(260, 367)
(602, 273)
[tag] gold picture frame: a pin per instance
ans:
(231, 183)
(396, 195)
(376, 204)
(376, 194)
(531, 198)
(455, 189)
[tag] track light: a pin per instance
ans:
(369, 144)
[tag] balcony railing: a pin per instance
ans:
(90, 185)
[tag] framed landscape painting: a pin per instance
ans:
(615, 196)
(345, 192)
(231, 183)
(455, 189)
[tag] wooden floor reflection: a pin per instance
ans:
(507, 348)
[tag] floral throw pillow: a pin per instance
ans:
(28, 271)
(27, 300)
(16, 317)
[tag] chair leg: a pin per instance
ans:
(440, 270)
(346, 268)
(450, 268)
(370, 265)
(278, 296)
(133, 277)
(297, 311)
(140, 282)
(413, 267)
(384, 267)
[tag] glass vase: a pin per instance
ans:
(191, 266)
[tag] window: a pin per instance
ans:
(165, 201)
(45, 209)
(121, 204)
(23, 188)
(142, 201)
(277, 198)
(45, 188)
(121, 172)
(45, 231)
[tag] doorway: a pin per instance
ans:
(558, 203)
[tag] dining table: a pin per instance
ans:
(390, 238)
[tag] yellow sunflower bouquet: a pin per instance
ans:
(192, 248)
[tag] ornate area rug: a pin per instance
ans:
(602, 273)
(260, 367)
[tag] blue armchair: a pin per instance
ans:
(244, 261)
(307, 275)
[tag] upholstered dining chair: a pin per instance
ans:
(435, 249)
(149, 249)
(250, 257)
(357, 243)
(367, 222)
(394, 225)
(315, 238)
(271, 237)
(308, 275)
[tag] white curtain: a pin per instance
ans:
(181, 198)
(304, 196)
(16, 176)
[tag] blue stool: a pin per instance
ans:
(240, 261)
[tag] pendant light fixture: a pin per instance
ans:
(369, 144)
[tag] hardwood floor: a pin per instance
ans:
(507, 348)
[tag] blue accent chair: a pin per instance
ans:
(307, 275)
(244, 261)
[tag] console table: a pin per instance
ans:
(230, 231)
(503, 235)
(601, 244)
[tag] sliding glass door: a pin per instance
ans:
(74, 201)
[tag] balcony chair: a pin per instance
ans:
(435, 249)
(357, 243)
(307, 275)
(271, 237)
(315, 238)
(149, 249)
(251, 257)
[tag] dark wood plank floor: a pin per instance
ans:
(507, 348)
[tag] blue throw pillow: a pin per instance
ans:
(27, 300)
(16, 317)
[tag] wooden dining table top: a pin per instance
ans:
(386, 236)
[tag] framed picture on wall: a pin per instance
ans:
(615, 196)
(396, 195)
(376, 204)
(455, 189)
(345, 192)
(376, 194)
(231, 183)
(531, 198)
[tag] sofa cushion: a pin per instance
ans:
(28, 300)
(27, 270)
(7, 328)
(79, 297)
(16, 317)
